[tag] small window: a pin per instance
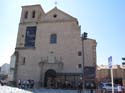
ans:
(53, 38)
(77, 22)
(26, 15)
(55, 15)
(51, 52)
(22, 35)
(33, 14)
(79, 65)
(79, 53)
(24, 61)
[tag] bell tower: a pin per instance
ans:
(31, 13)
(30, 16)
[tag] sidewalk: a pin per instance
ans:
(53, 91)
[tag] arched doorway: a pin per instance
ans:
(49, 79)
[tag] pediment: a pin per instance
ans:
(57, 15)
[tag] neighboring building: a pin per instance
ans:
(5, 69)
(49, 48)
(103, 74)
(12, 68)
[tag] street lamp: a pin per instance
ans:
(84, 37)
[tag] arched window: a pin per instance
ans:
(53, 38)
(26, 14)
(33, 14)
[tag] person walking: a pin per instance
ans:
(19, 83)
(119, 87)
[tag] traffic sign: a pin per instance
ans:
(110, 62)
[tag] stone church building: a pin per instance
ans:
(50, 50)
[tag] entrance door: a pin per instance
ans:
(49, 79)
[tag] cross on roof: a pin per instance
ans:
(56, 2)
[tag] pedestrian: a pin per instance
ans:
(119, 87)
(19, 83)
(32, 83)
(23, 85)
(27, 84)
(1, 82)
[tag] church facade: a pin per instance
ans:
(49, 48)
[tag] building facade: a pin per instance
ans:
(12, 68)
(49, 48)
(103, 74)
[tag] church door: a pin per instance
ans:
(49, 79)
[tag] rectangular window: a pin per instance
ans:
(26, 15)
(30, 36)
(79, 53)
(33, 14)
(79, 65)
(23, 61)
(53, 38)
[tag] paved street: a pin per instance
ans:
(63, 91)
(53, 91)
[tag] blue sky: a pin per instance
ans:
(103, 20)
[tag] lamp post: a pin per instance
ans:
(84, 37)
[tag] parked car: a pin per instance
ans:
(107, 86)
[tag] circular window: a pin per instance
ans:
(55, 15)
